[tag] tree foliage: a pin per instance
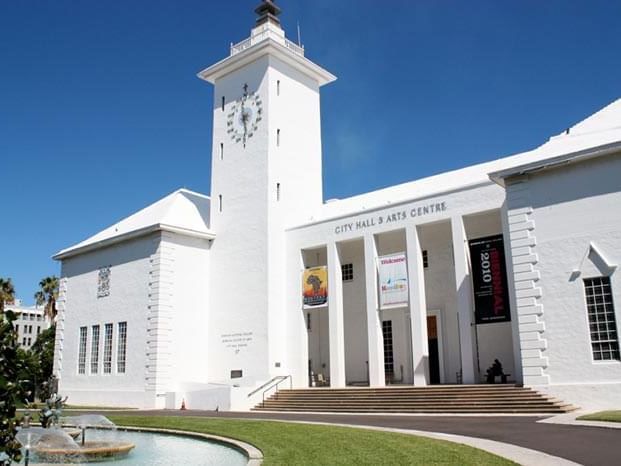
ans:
(7, 292)
(11, 389)
(47, 295)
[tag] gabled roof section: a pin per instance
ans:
(595, 136)
(183, 211)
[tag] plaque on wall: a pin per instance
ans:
(489, 280)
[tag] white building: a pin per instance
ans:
(200, 298)
(30, 322)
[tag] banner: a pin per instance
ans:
(315, 286)
(489, 279)
(393, 280)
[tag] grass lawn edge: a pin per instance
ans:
(315, 444)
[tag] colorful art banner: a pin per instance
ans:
(393, 280)
(489, 279)
(315, 286)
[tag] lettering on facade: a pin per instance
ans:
(391, 217)
(236, 341)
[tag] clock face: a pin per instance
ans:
(243, 121)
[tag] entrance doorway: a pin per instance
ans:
(434, 341)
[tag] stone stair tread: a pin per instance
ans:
(509, 398)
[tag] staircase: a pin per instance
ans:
(470, 399)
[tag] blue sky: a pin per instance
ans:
(101, 112)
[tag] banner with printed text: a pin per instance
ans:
(315, 286)
(489, 279)
(393, 280)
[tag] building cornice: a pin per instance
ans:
(208, 235)
(266, 47)
(500, 176)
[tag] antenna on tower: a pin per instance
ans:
(299, 35)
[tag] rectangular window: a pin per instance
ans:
(107, 356)
(221, 151)
(82, 351)
(38, 330)
(220, 202)
(308, 321)
(347, 271)
(29, 341)
(24, 341)
(95, 349)
(278, 191)
(602, 323)
(389, 363)
(278, 87)
(121, 349)
(277, 138)
(425, 258)
(223, 102)
(16, 328)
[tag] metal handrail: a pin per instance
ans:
(282, 379)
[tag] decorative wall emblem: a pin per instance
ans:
(103, 282)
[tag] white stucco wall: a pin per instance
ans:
(158, 286)
(128, 302)
(572, 207)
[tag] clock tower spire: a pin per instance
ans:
(268, 11)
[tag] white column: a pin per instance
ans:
(335, 318)
(464, 299)
(418, 307)
(375, 338)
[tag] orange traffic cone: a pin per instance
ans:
(183, 408)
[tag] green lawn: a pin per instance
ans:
(297, 444)
(610, 416)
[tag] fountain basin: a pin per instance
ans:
(89, 452)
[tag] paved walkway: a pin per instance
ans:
(581, 444)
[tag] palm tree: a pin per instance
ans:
(48, 294)
(7, 293)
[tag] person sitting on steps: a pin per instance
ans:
(496, 371)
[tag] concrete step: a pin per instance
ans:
(507, 398)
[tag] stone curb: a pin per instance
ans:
(254, 455)
(570, 419)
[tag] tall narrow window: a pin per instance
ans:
(308, 321)
(121, 349)
(107, 355)
(223, 100)
(94, 349)
(389, 363)
(278, 87)
(221, 151)
(82, 351)
(220, 202)
(278, 137)
(602, 323)
(278, 191)
(425, 258)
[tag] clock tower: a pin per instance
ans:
(265, 176)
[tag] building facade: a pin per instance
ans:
(205, 299)
(29, 323)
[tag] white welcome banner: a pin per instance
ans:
(393, 280)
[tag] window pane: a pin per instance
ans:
(82, 351)
(601, 314)
(95, 350)
(107, 356)
(121, 350)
